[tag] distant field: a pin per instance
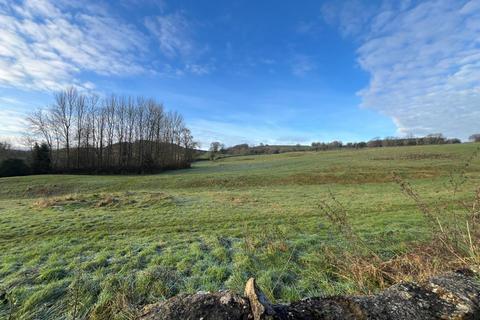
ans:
(98, 245)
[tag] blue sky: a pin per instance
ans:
(276, 72)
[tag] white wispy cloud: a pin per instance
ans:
(302, 64)
(10, 100)
(45, 45)
(349, 16)
(12, 125)
(149, 4)
(199, 69)
(173, 34)
(423, 59)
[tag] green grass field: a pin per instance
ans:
(97, 246)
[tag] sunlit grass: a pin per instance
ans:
(104, 245)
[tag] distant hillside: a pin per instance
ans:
(245, 149)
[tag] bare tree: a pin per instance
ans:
(215, 148)
(62, 116)
(116, 134)
(80, 105)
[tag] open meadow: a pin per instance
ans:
(101, 247)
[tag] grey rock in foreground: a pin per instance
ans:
(454, 295)
(218, 305)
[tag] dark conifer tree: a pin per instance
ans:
(41, 162)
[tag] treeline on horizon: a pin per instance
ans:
(245, 149)
(430, 139)
(83, 133)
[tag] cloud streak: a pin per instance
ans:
(423, 60)
(302, 65)
(173, 34)
(45, 45)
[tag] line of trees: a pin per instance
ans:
(387, 142)
(85, 133)
(217, 149)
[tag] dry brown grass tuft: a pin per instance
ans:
(107, 201)
(158, 197)
(52, 202)
(421, 263)
(454, 233)
(371, 274)
(43, 203)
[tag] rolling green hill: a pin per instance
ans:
(72, 246)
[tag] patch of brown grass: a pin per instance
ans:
(158, 197)
(455, 241)
(44, 203)
(420, 263)
(103, 200)
(108, 201)
(44, 190)
(52, 202)
(371, 274)
(346, 177)
(416, 156)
